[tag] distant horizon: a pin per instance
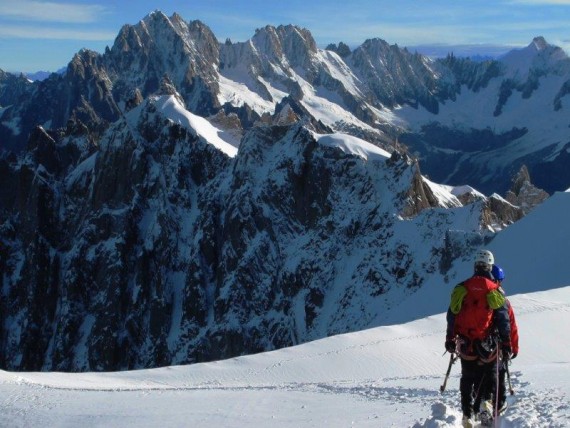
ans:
(38, 35)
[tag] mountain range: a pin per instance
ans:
(177, 200)
(487, 118)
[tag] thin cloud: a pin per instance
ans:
(51, 11)
(29, 32)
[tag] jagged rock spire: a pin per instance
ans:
(523, 193)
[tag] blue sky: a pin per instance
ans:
(43, 35)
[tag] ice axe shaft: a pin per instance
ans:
(511, 391)
(452, 359)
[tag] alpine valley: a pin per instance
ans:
(178, 200)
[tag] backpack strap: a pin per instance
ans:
(495, 299)
(457, 296)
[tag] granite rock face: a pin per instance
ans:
(525, 194)
(154, 247)
(133, 235)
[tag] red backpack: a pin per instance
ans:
(475, 318)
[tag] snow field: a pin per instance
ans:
(386, 376)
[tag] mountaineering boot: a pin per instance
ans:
(502, 407)
(467, 422)
(486, 414)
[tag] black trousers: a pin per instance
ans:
(490, 381)
(478, 382)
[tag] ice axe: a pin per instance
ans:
(511, 391)
(452, 359)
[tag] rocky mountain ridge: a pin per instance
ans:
(377, 91)
(180, 200)
(155, 247)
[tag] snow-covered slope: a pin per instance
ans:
(135, 233)
(172, 108)
(518, 117)
(531, 252)
(198, 251)
(470, 122)
(383, 377)
(538, 55)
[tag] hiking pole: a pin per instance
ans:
(511, 391)
(497, 387)
(452, 359)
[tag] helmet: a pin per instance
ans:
(484, 257)
(498, 273)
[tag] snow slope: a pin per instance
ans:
(533, 253)
(352, 145)
(387, 376)
(172, 109)
(382, 377)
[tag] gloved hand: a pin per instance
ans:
(450, 345)
(506, 350)
(513, 356)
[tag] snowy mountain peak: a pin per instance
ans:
(173, 109)
(155, 16)
(375, 43)
(285, 42)
(547, 50)
(538, 55)
(176, 18)
(375, 92)
(154, 23)
(303, 232)
(539, 43)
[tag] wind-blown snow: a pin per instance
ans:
(237, 93)
(461, 190)
(199, 126)
(79, 173)
(445, 194)
(540, 242)
(352, 145)
(340, 71)
(382, 377)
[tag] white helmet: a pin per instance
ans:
(485, 256)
